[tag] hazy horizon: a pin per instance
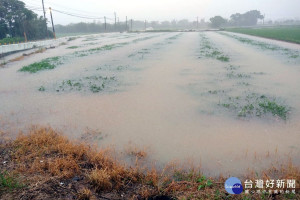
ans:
(167, 10)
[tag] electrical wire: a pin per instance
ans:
(32, 6)
(74, 10)
(74, 14)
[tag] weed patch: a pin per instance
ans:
(208, 51)
(8, 181)
(175, 37)
(93, 84)
(256, 105)
(73, 47)
(46, 64)
(42, 89)
(140, 54)
(3, 63)
(237, 75)
(142, 39)
(88, 52)
(72, 38)
(271, 106)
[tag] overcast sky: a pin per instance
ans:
(159, 10)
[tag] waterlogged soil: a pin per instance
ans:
(209, 98)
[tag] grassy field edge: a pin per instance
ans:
(287, 34)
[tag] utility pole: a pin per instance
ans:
(105, 23)
(145, 25)
(126, 24)
(45, 19)
(118, 24)
(52, 23)
(131, 25)
(25, 36)
(197, 22)
(115, 21)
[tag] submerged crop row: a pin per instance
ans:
(234, 90)
(140, 54)
(256, 105)
(293, 54)
(46, 64)
(207, 50)
(53, 62)
(98, 79)
(250, 103)
(92, 83)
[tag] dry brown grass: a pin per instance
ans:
(100, 179)
(17, 59)
(84, 194)
(45, 151)
(133, 150)
(62, 43)
(2, 64)
(45, 154)
(40, 50)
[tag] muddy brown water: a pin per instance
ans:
(153, 106)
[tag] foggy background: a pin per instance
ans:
(157, 10)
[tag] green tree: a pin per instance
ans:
(15, 19)
(217, 21)
(249, 18)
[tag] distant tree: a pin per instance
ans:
(249, 18)
(252, 16)
(236, 19)
(154, 24)
(3, 24)
(217, 21)
(184, 23)
(165, 24)
(174, 23)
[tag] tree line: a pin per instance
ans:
(18, 21)
(100, 26)
(249, 18)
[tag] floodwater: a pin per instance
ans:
(160, 98)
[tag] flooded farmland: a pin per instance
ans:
(226, 101)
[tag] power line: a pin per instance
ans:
(77, 15)
(32, 4)
(36, 7)
(65, 7)
(32, 8)
(82, 11)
